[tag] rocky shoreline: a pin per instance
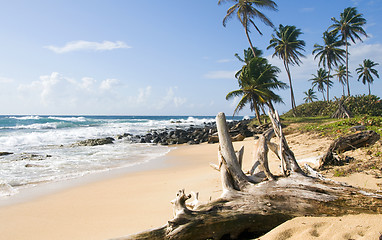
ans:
(170, 136)
(191, 135)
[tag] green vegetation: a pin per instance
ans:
(330, 54)
(257, 79)
(366, 72)
(349, 26)
(246, 12)
(288, 47)
(342, 127)
(370, 105)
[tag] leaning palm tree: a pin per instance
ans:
(341, 74)
(350, 26)
(310, 95)
(321, 80)
(246, 11)
(288, 47)
(330, 53)
(257, 82)
(366, 71)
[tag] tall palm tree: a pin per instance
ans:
(321, 80)
(288, 47)
(330, 53)
(341, 76)
(246, 11)
(366, 71)
(257, 82)
(310, 95)
(350, 26)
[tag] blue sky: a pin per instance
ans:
(173, 57)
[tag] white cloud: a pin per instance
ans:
(57, 91)
(108, 84)
(87, 83)
(144, 94)
(171, 100)
(220, 75)
(86, 45)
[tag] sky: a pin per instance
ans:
(172, 57)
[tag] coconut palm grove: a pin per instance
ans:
(258, 80)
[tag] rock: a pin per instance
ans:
(358, 128)
(5, 153)
(32, 165)
(96, 142)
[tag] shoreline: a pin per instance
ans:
(112, 205)
(117, 205)
(44, 189)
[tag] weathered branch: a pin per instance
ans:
(228, 154)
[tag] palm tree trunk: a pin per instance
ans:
(257, 113)
(368, 83)
(250, 42)
(327, 86)
(347, 65)
(291, 88)
(323, 95)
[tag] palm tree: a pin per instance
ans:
(341, 75)
(256, 83)
(310, 95)
(350, 26)
(366, 71)
(288, 47)
(320, 80)
(246, 11)
(248, 56)
(330, 53)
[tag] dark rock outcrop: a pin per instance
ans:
(5, 153)
(96, 142)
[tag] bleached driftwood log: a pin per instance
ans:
(248, 205)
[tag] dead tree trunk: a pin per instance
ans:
(342, 111)
(251, 203)
(350, 142)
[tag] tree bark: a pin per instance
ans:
(350, 142)
(347, 64)
(249, 206)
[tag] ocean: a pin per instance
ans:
(43, 147)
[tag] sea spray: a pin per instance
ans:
(44, 148)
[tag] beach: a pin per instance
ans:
(123, 204)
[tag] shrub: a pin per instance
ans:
(370, 105)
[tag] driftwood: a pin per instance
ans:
(342, 111)
(346, 143)
(257, 202)
(236, 138)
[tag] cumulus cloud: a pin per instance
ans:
(171, 99)
(58, 90)
(144, 94)
(86, 45)
(220, 75)
(108, 84)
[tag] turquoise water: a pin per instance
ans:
(43, 151)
